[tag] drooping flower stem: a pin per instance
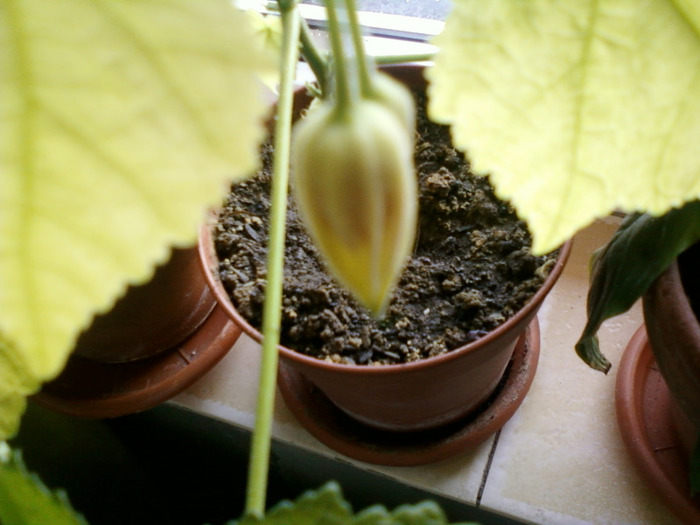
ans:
(345, 85)
(364, 70)
(260, 448)
(313, 56)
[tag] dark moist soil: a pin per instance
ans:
(470, 271)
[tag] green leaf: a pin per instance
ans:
(25, 500)
(322, 507)
(15, 386)
(326, 506)
(623, 269)
(575, 107)
(121, 122)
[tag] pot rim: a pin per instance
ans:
(209, 259)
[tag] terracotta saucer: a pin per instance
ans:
(643, 404)
(90, 388)
(340, 432)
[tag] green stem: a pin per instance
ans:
(403, 59)
(345, 92)
(260, 450)
(363, 62)
(317, 62)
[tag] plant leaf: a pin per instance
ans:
(15, 385)
(25, 500)
(326, 506)
(122, 121)
(575, 107)
(622, 270)
(323, 506)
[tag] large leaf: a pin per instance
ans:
(15, 385)
(575, 107)
(622, 270)
(120, 123)
(25, 500)
(326, 506)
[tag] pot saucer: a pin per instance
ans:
(334, 428)
(643, 403)
(94, 389)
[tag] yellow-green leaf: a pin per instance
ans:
(327, 506)
(575, 107)
(121, 121)
(15, 385)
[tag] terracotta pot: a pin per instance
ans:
(413, 396)
(649, 418)
(408, 397)
(152, 317)
(158, 339)
(674, 336)
(658, 386)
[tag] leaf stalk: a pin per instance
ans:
(364, 70)
(262, 435)
(345, 87)
(313, 56)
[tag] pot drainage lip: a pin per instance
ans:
(351, 438)
(643, 406)
(93, 389)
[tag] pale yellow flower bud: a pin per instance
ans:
(395, 96)
(357, 194)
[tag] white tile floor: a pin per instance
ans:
(559, 460)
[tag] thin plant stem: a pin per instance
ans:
(260, 449)
(364, 70)
(313, 56)
(403, 59)
(344, 87)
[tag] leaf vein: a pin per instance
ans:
(27, 135)
(679, 113)
(111, 162)
(134, 38)
(579, 103)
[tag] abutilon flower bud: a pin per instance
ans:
(395, 96)
(357, 193)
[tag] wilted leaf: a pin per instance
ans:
(576, 107)
(622, 270)
(120, 123)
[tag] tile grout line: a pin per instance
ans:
(487, 468)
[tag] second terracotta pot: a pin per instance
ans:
(152, 317)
